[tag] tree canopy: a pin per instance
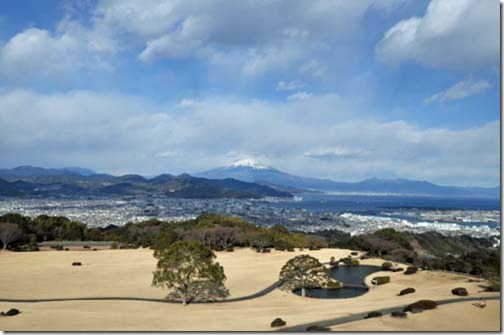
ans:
(188, 270)
(302, 272)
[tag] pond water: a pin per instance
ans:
(353, 275)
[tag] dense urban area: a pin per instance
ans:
(99, 212)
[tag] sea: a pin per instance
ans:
(377, 204)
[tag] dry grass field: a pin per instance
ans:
(128, 273)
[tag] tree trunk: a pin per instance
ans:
(303, 292)
(4, 246)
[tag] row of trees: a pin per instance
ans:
(456, 253)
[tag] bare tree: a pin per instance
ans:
(218, 238)
(9, 232)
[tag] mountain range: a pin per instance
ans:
(252, 171)
(36, 181)
(243, 179)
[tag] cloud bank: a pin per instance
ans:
(111, 131)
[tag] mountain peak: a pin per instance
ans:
(249, 162)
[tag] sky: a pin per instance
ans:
(345, 90)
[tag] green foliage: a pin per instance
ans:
(11, 312)
(188, 270)
(165, 239)
(333, 284)
(408, 290)
(392, 235)
(420, 306)
(439, 245)
(114, 245)
(380, 280)
(317, 328)
(398, 314)
(460, 291)
(355, 262)
(387, 266)
(493, 287)
(411, 270)
(373, 314)
(303, 271)
(278, 322)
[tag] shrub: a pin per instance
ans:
(314, 247)
(373, 314)
(67, 249)
(317, 328)
(114, 245)
(265, 250)
(333, 284)
(420, 306)
(280, 248)
(460, 291)
(278, 323)
(408, 290)
(411, 270)
(387, 266)
(493, 287)
(57, 247)
(397, 270)
(290, 249)
(229, 249)
(86, 247)
(381, 280)
(11, 312)
(354, 253)
(76, 264)
(355, 262)
(398, 314)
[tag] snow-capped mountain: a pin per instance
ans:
(249, 163)
(251, 170)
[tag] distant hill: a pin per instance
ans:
(252, 171)
(30, 172)
(36, 181)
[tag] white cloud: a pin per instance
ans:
(37, 52)
(303, 95)
(262, 36)
(289, 85)
(186, 103)
(461, 90)
(118, 133)
(453, 34)
(334, 153)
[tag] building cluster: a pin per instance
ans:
(265, 212)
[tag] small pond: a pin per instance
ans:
(353, 275)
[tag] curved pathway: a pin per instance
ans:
(384, 311)
(261, 293)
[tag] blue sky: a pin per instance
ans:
(345, 90)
